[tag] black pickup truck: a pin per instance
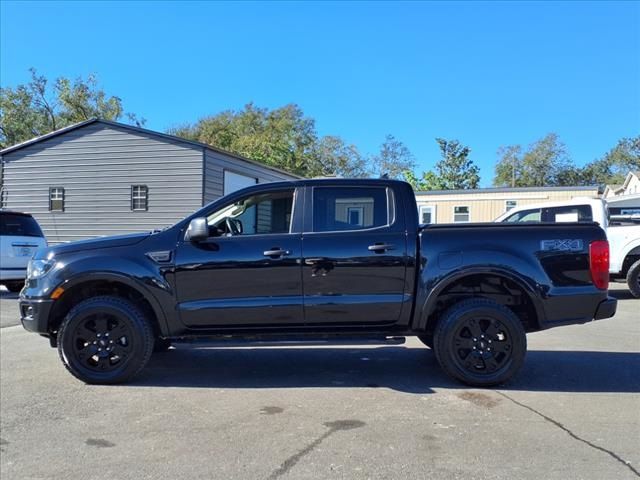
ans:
(317, 259)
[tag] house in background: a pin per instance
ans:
(100, 178)
(631, 186)
(486, 204)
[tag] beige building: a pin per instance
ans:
(486, 204)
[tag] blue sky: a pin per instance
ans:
(488, 74)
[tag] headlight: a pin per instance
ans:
(39, 268)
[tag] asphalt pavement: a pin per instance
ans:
(347, 412)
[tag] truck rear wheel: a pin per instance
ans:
(105, 340)
(633, 279)
(480, 342)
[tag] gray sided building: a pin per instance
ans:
(101, 178)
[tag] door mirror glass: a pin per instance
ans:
(198, 230)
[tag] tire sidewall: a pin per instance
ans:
(125, 311)
(452, 321)
(632, 279)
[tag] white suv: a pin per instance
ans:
(20, 237)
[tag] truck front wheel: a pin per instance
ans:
(480, 342)
(633, 279)
(105, 340)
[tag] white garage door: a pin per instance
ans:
(235, 181)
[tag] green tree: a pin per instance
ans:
(427, 181)
(508, 171)
(613, 167)
(332, 156)
(37, 108)
(544, 163)
(393, 160)
(283, 137)
(455, 170)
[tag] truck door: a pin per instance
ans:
(354, 256)
(247, 273)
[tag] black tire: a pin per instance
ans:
(161, 345)
(480, 342)
(14, 286)
(105, 340)
(427, 339)
(633, 279)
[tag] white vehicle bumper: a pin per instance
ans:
(13, 274)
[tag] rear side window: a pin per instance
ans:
(349, 208)
(19, 226)
(573, 213)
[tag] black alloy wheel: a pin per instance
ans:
(480, 342)
(105, 340)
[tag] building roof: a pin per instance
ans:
(628, 178)
(472, 191)
(612, 188)
(173, 138)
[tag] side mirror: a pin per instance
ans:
(198, 230)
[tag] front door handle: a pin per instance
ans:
(380, 247)
(276, 252)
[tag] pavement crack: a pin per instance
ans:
(612, 454)
(336, 426)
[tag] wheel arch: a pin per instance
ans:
(87, 284)
(630, 257)
(476, 276)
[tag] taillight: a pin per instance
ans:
(599, 263)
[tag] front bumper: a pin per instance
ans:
(34, 314)
(606, 309)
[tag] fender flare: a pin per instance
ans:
(430, 303)
(98, 275)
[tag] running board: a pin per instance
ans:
(289, 340)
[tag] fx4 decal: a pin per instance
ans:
(564, 245)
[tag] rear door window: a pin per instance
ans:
(349, 208)
(19, 226)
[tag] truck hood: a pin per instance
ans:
(93, 244)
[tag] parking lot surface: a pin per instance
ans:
(344, 412)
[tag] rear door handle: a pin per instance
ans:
(276, 252)
(380, 247)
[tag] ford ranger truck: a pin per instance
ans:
(317, 259)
